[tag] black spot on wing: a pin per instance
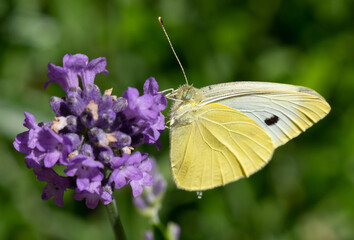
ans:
(272, 120)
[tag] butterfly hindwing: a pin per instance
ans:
(219, 145)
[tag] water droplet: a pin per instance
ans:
(199, 195)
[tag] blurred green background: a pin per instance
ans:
(305, 192)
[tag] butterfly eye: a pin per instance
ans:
(187, 95)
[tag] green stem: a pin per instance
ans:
(114, 218)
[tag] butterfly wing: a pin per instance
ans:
(217, 145)
(284, 111)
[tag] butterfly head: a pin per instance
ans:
(186, 93)
(184, 99)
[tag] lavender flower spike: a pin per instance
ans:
(91, 133)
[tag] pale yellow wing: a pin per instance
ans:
(219, 145)
(284, 111)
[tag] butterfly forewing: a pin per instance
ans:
(217, 145)
(284, 111)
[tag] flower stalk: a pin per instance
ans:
(114, 218)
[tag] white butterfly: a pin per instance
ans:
(224, 132)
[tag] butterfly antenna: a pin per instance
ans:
(173, 50)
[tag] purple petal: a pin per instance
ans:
(135, 158)
(145, 166)
(59, 106)
(136, 187)
(119, 161)
(67, 76)
(131, 94)
(33, 138)
(151, 86)
(82, 183)
(92, 201)
(96, 66)
(145, 102)
(58, 198)
(20, 143)
(48, 140)
(56, 185)
(147, 180)
(89, 162)
(87, 150)
(73, 139)
(132, 173)
(96, 176)
(75, 63)
(51, 159)
(91, 198)
(160, 102)
(106, 198)
(60, 75)
(105, 154)
(123, 140)
(71, 170)
(78, 196)
(34, 159)
(118, 179)
(29, 121)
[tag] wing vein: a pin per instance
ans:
(222, 174)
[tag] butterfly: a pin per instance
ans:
(224, 132)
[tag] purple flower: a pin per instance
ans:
(94, 194)
(87, 150)
(152, 194)
(86, 169)
(145, 111)
(67, 76)
(131, 169)
(56, 185)
(138, 106)
(21, 143)
(55, 146)
(153, 132)
(125, 169)
(105, 155)
(93, 134)
(151, 87)
(146, 180)
(35, 159)
(74, 66)
(26, 141)
(94, 67)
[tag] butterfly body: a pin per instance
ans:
(224, 132)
